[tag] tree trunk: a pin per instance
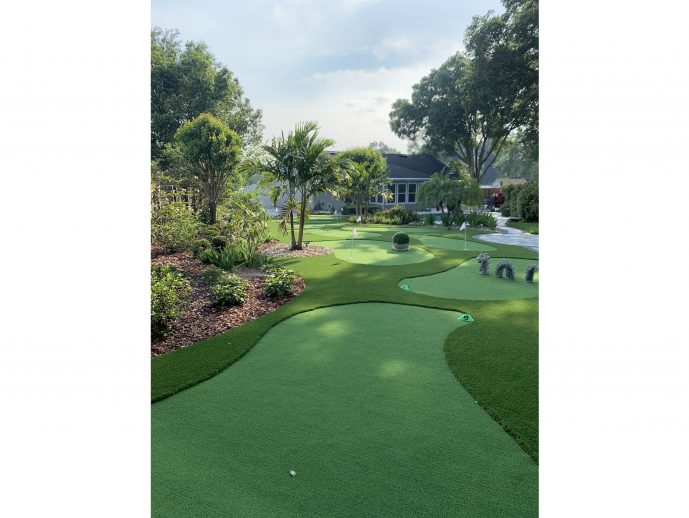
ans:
(291, 226)
(212, 209)
(302, 216)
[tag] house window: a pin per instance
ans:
(401, 192)
(412, 193)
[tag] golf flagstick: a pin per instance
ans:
(464, 227)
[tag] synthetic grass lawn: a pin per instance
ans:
(465, 282)
(455, 243)
(378, 253)
(344, 234)
(331, 281)
(359, 401)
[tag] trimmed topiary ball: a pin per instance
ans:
(401, 238)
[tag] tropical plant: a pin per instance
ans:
(279, 282)
(440, 190)
(227, 258)
(229, 290)
(248, 225)
(168, 290)
(211, 150)
(368, 175)
(174, 227)
(397, 215)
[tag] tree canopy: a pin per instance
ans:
(368, 176)
(382, 147)
(467, 107)
(212, 151)
(187, 80)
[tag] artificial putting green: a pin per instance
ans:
(465, 282)
(426, 229)
(456, 243)
(359, 401)
(378, 253)
(343, 234)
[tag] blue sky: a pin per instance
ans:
(340, 62)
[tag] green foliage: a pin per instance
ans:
(428, 219)
(279, 282)
(174, 227)
(516, 161)
(199, 245)
(368, 176)
(211, 150)
(248, 225)
(382, 148)
(212, 275)
(187, 80)
(400, 238)
(219, 242)
(397, 215)
(227, 258)
(441, 190)
(527, 202)
(229, 290)
(445, 219)
(168, 289)
(476, 219)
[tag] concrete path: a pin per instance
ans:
(510, 236)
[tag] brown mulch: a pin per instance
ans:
(277, 249)
(200, 318)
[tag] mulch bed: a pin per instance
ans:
(277, 249)
(200, 318)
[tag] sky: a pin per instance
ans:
(339, 62)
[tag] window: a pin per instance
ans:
(401, 192)
(412, 193)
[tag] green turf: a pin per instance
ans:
(496, 360)
(426, 229)
(378, 253)
(359, 400)
(344, 234)
(454, 243)
(465, 282)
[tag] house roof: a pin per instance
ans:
(412, 166)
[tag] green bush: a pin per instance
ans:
(476, 219)
(397, 215)
(219, 242)
(229, 290)
(199, 245)
(227, 259)
(509, 206)
(527, 202)
(279, 283)
(401, 238)
(174, 227)
(212, 274)
(168, 289)
(428, 219)
(445, 218)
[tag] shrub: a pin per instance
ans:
(527, 202)
(229, 290)
(397, 215)
(509, 206)
(227, 259)
(199, 245)
(174, 227)
(401, 238)
(445, 218)
(476, 219)
(212, 274)
(168, 289)
(428, 219)
(219, 242)
(279, 283)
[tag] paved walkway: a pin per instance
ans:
(510, 236)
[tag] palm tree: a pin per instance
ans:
(440, 190)
(369, 177)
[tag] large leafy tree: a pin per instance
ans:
(468, 107)
(211, 150)
(382, 147)
(368, 176)
(187, 80)
(504, 51)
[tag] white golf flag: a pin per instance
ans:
(464, 225)
(358, 219)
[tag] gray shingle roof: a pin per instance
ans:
(412, 166)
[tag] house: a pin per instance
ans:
(406, 173)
